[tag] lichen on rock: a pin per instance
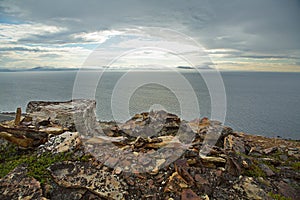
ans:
(85, 175)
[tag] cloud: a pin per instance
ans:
(21, 49)
(14, 33)
(233, 30)
(97, 36)
(269, 57)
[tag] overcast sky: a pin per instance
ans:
(232, 35)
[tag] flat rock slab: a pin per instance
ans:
(85, 175)
(17, 185)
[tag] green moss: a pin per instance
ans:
(278, 196)
(271, 166)
(254, 171)
(296, 166)
(6, 167)
(85, 158)
(37, 165)
(11, 156)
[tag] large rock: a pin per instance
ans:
(84, 175)
(18, 185)
(287, 190)
(252, 190)
(75, 114)
(154, 123)
(233, 143)
(68, 141)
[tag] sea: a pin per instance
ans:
(261, 103)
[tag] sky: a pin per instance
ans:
(259, 35)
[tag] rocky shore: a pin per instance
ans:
(58, 150)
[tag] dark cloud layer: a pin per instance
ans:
(269, 28)
(2, 49)
(262, 25)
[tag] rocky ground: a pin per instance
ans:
(59, 151)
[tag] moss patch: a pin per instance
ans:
(254, 171)
(296, 166)
(278, 196)
(37, 164)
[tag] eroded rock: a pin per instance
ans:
(18, 185)
(85, 175)
(68, 141)
(79, 114)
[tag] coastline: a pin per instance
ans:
(59, 148)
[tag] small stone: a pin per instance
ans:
(234, 144)
(283, 157)
(175, 183)
(154, 171)
(111, 162)
(159, 163)
(245, 164)
(54, 130)
(205, 197)
(233, 167)
(144, 160)
(213, 159)
(252, 190)
(200, 179)
(263, 181)
(293, 149)
(222, 169)
(287, 191)
(269, 150)
(135, 153)
(267, 170)
(118, 170)
(188, 194)
(192, 161)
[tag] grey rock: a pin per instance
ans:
(267, 170)
(74, 114)
(269, 150)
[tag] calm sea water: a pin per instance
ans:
(257, 102)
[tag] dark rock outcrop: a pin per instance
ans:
(153, 155)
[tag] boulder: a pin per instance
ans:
(287, 190)
(233, 143)
(18, 185)
(68, 141)
(85, 175)
(267, 170)
(252, 190)
(75, 114)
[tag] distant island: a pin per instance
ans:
(37, 69)
(185, 67)
(47, 68)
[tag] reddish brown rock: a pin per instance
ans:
(175, 183)
(188, 194)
